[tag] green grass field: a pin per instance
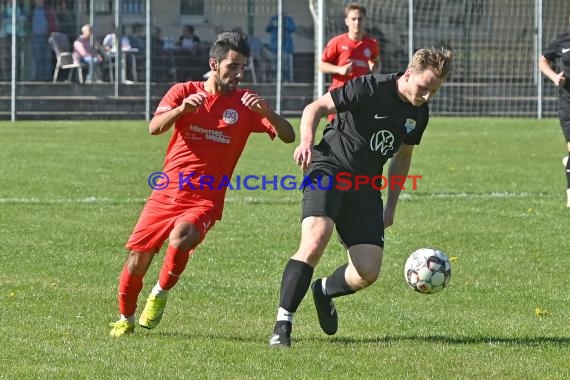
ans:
(491, 196)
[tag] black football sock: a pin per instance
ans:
(336, 285)
(568, 170)
(294, 284)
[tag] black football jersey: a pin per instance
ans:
(559, 49)
(371, 124)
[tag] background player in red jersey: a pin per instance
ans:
(351, 54)
(212, 121)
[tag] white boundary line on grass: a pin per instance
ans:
(404, 196)
(501, 195)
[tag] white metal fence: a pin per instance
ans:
(496, 43)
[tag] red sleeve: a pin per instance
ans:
(256, 122)
(262, 125)
(375, 48)
(173, 98)
(330, 53)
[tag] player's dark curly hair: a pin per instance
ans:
(439, 60)
(227, 41)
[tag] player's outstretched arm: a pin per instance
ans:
(163, 122)
(310, 119)
(282, 127)
(329, 68)
(375, 65)
(398, 169)
(557, 78)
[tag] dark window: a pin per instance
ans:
(192, 7)
(133, 7)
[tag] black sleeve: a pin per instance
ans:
(352, 93)
(551, 51)
(415, 137)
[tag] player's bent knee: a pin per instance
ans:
(186, 242)
(184, 237)
(371, 278)
(310, 252)
(363, 277)
(138, 262)
(368, 278)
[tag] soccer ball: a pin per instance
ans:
(427, 270)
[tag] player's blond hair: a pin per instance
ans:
(438, 60)
(354, 7)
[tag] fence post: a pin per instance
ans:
(538, 52)
(410, 29)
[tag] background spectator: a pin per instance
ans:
(43, 22)
(6, 38)
(188, 40)
(86, 53)
(289, 28)
(66, 20)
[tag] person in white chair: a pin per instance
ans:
(86, 53)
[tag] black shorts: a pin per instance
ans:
(358, 214)
(564, 115)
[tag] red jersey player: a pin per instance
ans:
(212, 121)
(351, 54)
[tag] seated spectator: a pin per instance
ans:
(190, 59)
(86, 53)
(188, 40)
(163, 65)
(109, 44)
(137, 38)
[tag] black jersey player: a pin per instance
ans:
(559, 49)
(379, 117)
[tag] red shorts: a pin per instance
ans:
(161, 213)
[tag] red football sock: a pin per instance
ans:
(130, 285)
(174, 263)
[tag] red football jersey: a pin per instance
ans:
(206, 145)
(340, 50)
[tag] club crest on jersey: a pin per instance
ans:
(230, 116)
(410, 125)
(382, 141)
(367, 53)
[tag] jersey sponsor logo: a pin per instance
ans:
(564, 51)
(343, 47)
(230, 116)
(360, 63)
(382, 141)
(410, 125)
(198, 133)
(367, 53)
(380, 117)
